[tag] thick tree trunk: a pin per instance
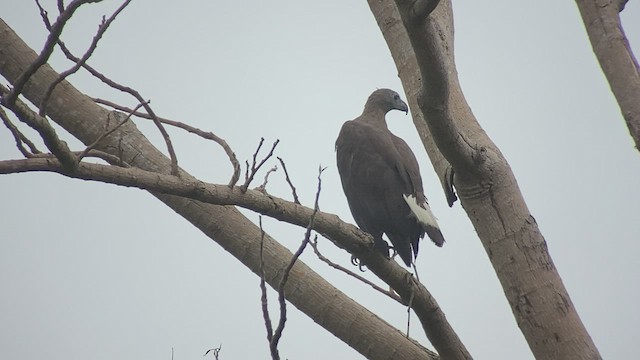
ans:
(489, 193)
(609, 43)
(309, 292)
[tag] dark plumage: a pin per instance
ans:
(381, 179)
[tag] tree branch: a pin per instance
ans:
(344, 235)
(54, 35)
(392, 295)
(19, 137)
(58, 147)
(94, 44)
(487, 188)
(203, 134)
(611, 47)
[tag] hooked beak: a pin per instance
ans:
(403, 107)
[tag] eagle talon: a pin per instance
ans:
(356, 262)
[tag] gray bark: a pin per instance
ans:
(422, 47)
(611, 47)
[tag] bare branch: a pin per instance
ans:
(203, 134)
(286, 174)
(394, 296)
(132, 92)
(60, 6)
(58, 147)
(254, 168)
(54, 35)
(616, 58)
(94, 44)
(107, 133)
(263, 289)
(344, 235)
(19, 137)
(263, 186)
(277, 334)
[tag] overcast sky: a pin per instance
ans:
(89, 270)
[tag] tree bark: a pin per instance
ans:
(309, 292)
(422, 47)
(611, 47)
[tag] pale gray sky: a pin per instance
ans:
(89, 270)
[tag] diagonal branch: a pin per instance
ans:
(54, 35)
(344, 235)
(203, 134)
(172, 154)
(612, 49)
(107, 133)
(94, 44)
(58, 147)
(19, 137)
(314, 245)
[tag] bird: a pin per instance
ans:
(381, 180)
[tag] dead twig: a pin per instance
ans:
(392, 295)
(263, 288)
(126, 89)
(203, 134)
(109, 132)
(286, 175)
(263, 186)
(57, 147)
(277, 334)
(254, 168)
(19, 137)
(102, 28)
(54, 35)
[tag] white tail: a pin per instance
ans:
(424, 215)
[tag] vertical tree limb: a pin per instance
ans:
(484, 181)
(602, 20)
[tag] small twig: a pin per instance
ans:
(54, 35)
(58, 147)
(254, 168)
(392, 295)
(128, 90)
(94, 44)
(216, 352)
(203, 134)
(286, 175)
(277, 334)
(60, 6)
(263, 287)
(263, 186)
(19, 137)
(107, 133)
